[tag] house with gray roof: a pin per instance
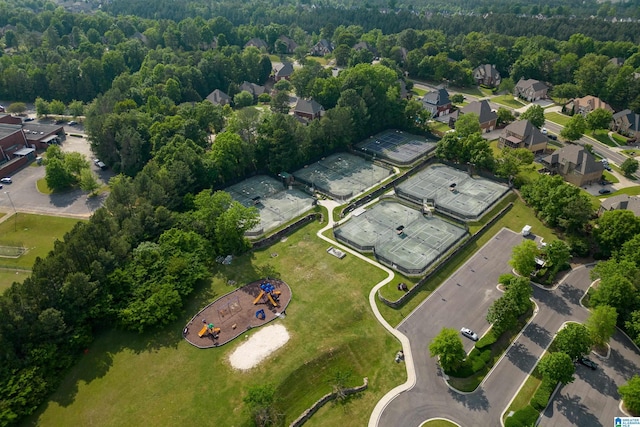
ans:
(322, 48)
(575, 164)
(254, 89)
(523, 134)
(622, 201)
(308, 109)
(487, 74)
(365, 46)
(482, 109)
(626, 122)
(530, 89)
(282, 71)
(256, 42)
(218, 97)
(291, 45)
(437, 103)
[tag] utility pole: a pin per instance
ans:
(15, 212)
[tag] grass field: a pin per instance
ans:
(42, 186)
(631, 153)
(35, 232)
(8, 276)
(159, 379)
(561, 119)
(519, 216)
(526, 392)
(602, 135)
(439, 423)
(508, 101)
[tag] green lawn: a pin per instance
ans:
(439, 423)
(473, 91)
(631, 191)
(610, 177)
(602, 135)
(621, 140)
(159, 379)
(418, 91)
(8, 276)
(439, 126)
(561, 119)
(508, 100)
(525, 394)
(42, 186)
(519, 216)
(631, 153)
(37, 233)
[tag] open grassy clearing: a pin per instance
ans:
(631, 153)
(37, 233)
(159, 379)
(439, 126)
(8, 276)
(602, 135)
(439, 423)
(519, 216)
(42, 186)
(508, 100)
(559, 118)
(418, 91)
(473, 91)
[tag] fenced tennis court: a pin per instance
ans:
(454, 192)
(399, 147)
(399, 236)
(342, 176)
(276, 204)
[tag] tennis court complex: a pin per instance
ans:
(399, 236)
(453, 191)
(399, 147)
(342, 176)
(276, 205)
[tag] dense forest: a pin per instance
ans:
(144, 73)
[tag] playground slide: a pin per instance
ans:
(202, 331)
(258, 299)
(275, 304)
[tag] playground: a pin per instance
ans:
(276, 204)
(398, 147)
(342, 176)
(231, 315)
(400, 236)
(452, 191)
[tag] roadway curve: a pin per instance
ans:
(453, 307)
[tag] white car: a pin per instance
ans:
(6, 180)
(469, 334)
(544, 131)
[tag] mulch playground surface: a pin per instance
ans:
(235, 313)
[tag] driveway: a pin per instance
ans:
(462, 301)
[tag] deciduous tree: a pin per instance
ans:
(630, 393)
(602, 324)
(557, 367)
(599, 119)
(575, 128)
(629, 167)
(447, 346)
(535, 114)
(574, 340)
(523, 257)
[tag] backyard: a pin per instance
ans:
(507, 100)
(332, 330)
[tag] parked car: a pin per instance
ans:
(544, 131)
(552, 136)
(469, 334)
(28, 119)
(6, 180)
(72, 123)
(588, 363)
(604, 191)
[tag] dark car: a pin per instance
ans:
(28, 119)
(552, 136)
(604, 191)
(588, 363)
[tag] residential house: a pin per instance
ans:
(218, 97)
(575, 164)
(482, 109)
(322, 48)
(626, 122)
(531, 90)
(308, 109)
(365, 46)
(587, 104)
(291, 45)
(437, 102)
(256, 42)
(523, 134)
(618, 62)
(282, 70)
(254, 89)
(622, 201)
(486, 74)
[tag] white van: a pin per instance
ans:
(526, 230)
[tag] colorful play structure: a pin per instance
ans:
(269, 291)
(208, 329)
(260, 314)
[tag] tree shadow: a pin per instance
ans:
(538, 335)
(553, 301)
(64, 199)
(571, 293)
(476, 401)
(577, 413)
(622, 365)
(598, 380)
(521, 357)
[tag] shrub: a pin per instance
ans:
(542, 395)
(486, 340)
(523, 418)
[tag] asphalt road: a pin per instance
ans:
(463, 301)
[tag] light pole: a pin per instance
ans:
(15, 212)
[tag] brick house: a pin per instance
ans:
(308, 109)
(322, 48)
(575, 164)
(587, 104)
(523, 134)
(487, 117)
(282, 71)
(530, 89)
(486, 74)
(626, 122)
(437, 103)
